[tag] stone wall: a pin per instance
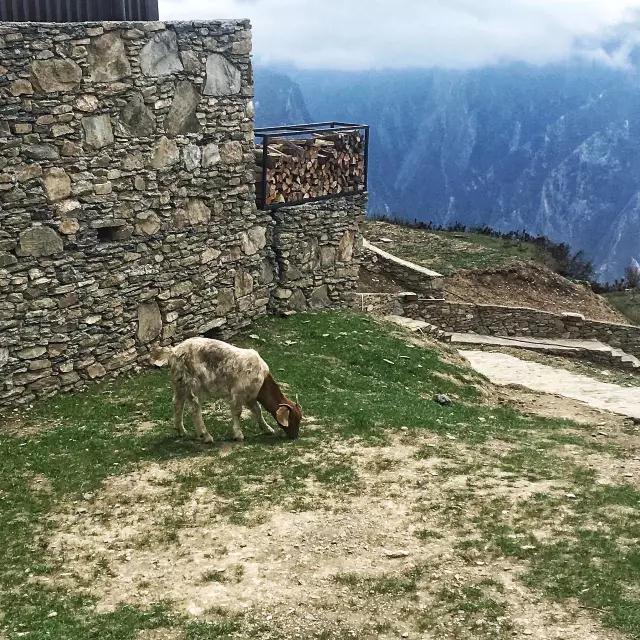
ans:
(128, 210)
(412, 276)
(317, 248)
(495, 320)
(379, 304)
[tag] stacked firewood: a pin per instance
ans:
(322, 164)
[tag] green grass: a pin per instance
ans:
(627, 302)
(392, 585)
(447, 251)
(352, 378)
(472, 610)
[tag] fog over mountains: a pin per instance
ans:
(552, 149)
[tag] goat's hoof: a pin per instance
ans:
(207, 438)
(238, 437)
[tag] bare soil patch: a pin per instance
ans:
(339, 565)
(527, 284)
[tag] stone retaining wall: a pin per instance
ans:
(127, 205)
(412, 276)
(378, 304)
(496, 320)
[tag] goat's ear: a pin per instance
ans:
(282, 416)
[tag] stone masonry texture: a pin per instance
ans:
(127, 204)
(496, 320)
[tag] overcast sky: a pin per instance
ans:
(364, 34)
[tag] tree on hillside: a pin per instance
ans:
(632, 274)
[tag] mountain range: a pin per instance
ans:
(551, 150)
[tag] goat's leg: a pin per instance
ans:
(178, 411)
(257, 414)
(236, 412)
(198, 422)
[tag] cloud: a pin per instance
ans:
(366, 34)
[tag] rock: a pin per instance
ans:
(71, 149)
(181, 118)
(575, 317)
(297, 301)
(253, 240)
(40, 241)
(396, 553)
(149, 322)
(87, 103)
(42, 152)
(209, 255)
(345, 247)
(266, 275)
(96, 370)
(282, 294)
(133, 162)
(57, 184)
(231, 152)
(442, 399)
(7, 259)
(59, 130)
(226, 302)
(148, 223)
(242, 46)
(165, 153)
(195, 213)
(31, 353)
(191, 156)
(4, 356)
(67, 206)
(136, 118)
(327, 256)
(210, 155)
(210, 326)
(191, 62)
(69, 226)
(223, 78)
(102, 188)
(55, 74)
(97, 131)
(159, 57)
(29, 172)
(243, 283)
(21, 88)
(107, 58)
(320, 298)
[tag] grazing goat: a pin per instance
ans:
(201, 368)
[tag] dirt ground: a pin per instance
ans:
(530, 285)
(295, 571)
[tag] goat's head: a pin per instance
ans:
(289, 416)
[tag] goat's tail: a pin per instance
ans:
(161, 356)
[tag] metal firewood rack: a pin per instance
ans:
(265, 135)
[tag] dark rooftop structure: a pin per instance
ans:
(77, 10)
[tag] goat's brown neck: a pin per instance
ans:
(270, 396)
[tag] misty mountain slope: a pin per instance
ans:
(278, 100)
(554, 150)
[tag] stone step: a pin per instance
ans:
(590, 349)
(417, 326)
